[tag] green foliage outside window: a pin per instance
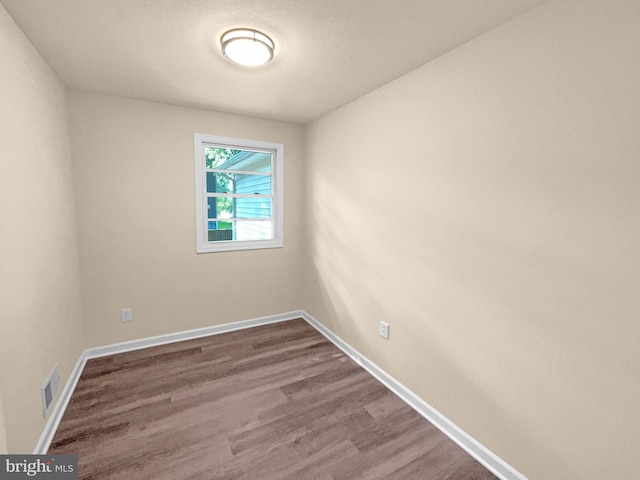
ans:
(215, 157)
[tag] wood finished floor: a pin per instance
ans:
(269, 403)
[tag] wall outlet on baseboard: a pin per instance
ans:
(126, 315)
(384, 330)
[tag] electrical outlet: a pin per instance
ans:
(126, 315)
(384, 330)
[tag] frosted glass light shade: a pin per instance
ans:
(247, 47)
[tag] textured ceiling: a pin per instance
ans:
(328, 52)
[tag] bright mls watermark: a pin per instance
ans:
(52, 467)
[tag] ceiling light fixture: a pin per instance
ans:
(247, 47)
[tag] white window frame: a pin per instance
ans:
(203, 245)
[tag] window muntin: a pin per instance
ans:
(238, 194)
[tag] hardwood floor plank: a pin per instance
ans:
(270, 403)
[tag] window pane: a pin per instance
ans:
(252, 208)
(241, 230)
(254, 230)
(238, 183)
(245, 160)
(216, 156)
(219, 207)
(238, 208)
(220, 231)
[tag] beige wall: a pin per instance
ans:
(486, 206)
(40, 310)
(3, 433)
(134, 180)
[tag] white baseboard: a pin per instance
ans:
(487, 458)
(470, 445)
(131, 345)
(61, 405)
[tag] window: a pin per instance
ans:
(238, 194)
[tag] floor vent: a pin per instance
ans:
(49, 390)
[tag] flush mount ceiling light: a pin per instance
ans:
(247, 47)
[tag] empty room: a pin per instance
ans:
(330, 239)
